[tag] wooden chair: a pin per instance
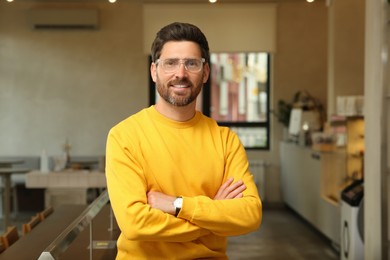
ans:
(9, 237)
(2, 247)
(27, 227)
(45, 213)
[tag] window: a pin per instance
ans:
(237, 95)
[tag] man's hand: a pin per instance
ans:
(161, 201)
(230, 190)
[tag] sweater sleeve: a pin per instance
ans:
(127, 189)
(228, 217)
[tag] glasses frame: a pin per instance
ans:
(181, 61)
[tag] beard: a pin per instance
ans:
(168, 94)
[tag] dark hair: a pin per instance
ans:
(180, 32)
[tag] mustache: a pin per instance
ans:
(180, 82)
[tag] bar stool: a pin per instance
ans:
(9, 237)
(27, 227)
(45, 213)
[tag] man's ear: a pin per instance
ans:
(153, 71)
(206, 72)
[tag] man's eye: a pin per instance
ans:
(170, 62)
(191, 63)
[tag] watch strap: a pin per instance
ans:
(177, 209)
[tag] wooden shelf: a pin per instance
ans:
(340, 168)
(333, 175)
(331, 200)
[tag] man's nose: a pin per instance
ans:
(181, 71)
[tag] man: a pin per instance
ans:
(179, 184)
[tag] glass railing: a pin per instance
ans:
(65, 239)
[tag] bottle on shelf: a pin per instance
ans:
(44, 163)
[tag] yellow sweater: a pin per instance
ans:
(192, 159)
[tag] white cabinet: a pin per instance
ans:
(301, 189)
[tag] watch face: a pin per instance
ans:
(178, 202)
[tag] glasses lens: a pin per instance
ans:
(172, 65)
(193, 65)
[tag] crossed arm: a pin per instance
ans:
(228, 190)
(234, 209)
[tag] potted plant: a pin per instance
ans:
(283, 112)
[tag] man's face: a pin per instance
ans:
(179, 87)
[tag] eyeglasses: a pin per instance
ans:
(172, 65)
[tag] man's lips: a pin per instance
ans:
(181, 86)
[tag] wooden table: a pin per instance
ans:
(7, 163)
(5, 174)
(66, 179)
(34, 243)
(66, 186)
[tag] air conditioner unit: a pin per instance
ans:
(69, 18)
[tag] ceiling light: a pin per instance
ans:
(112, 1)
(212, 1)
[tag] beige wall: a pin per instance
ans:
(346, 50)
(301, 57)
(77, 84)
(251, 27)
(300, 63)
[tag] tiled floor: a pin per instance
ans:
(283, 235)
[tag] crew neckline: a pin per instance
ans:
(173, 123)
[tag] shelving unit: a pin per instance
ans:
(333, 175)
(342, 166)
(355, 148)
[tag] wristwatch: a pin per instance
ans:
(177, 204)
